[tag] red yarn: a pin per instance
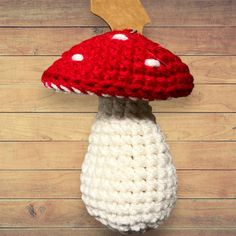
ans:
(116, 67)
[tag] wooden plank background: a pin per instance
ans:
(41, 154)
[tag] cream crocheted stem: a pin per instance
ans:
(128, 181)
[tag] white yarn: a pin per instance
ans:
(128, 182)
(77, 57)
(152, 63)
(120, 37)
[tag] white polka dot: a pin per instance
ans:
(77, 57)
(120, 37)
(152, 62)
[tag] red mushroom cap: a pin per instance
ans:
(121, 64)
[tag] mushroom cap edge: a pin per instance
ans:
(122, 64)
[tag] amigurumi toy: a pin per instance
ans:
(128, 181)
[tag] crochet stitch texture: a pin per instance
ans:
(122, 64)
(128, 181)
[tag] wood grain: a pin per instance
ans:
(207, 184)
(43, 136)
(42, 155)
(180, 40)
(40, 184)
(65, 184)
(76, 13)
(204, 155)
(204, 98)
(71, 213)
(69, 155)
(76, 127)
(106, 232)
(27, 70)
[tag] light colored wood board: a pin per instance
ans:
(212, 69)
(72, 213)
(77, 126)
(204, 184)
(131, 13)
(209, 213)
(69, 155)
(40, 41)
(45, 127)
(204, 155)
(40, 184)
(204, 98)
(42, 155)
(106, 232)
(76, 13)
(180, 40)
(66, 184)
(27, 70)
(41, 213)
(196, 41)
(191, 12)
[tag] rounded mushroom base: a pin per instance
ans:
(128, 181)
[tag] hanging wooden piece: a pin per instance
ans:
(121, 14)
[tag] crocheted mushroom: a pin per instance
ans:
(128, 181)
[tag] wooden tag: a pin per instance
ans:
(121, 14)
